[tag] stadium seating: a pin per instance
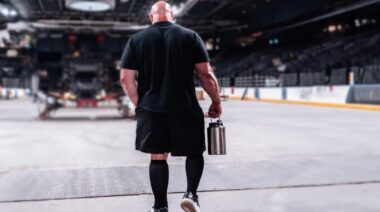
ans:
(328, 62)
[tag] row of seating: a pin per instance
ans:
(328, 62)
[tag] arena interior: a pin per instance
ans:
(299, 80)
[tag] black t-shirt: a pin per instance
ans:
(164, 55)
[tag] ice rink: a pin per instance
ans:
(280, 158)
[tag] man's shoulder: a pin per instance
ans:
(184, 29)
(142, 33)
(147, 32)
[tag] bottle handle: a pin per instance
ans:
(217, 118)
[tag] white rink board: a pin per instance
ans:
(325, 94)
(15, 92)
(270, 93)
(237, 92)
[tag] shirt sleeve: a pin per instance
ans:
(128, 59)
(200, 54)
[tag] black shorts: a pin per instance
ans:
(181, 133)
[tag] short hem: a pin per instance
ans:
(174, 154)
(151, 151)
(186, 155)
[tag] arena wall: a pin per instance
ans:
(342, 94)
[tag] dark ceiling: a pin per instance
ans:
(201, 15)
(198, 14)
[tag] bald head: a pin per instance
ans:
(161, 11)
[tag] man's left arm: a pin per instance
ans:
(129, 84)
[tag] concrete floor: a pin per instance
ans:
(291, 158)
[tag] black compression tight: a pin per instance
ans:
(159, 179)
(194, 170)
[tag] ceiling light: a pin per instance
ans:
(175, 10)
(5, 11)
(13, 13)
(178, 9)
(331, 28)
(91, 5)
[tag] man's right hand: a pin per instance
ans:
(215, 110)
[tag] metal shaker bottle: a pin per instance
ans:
(216, 138)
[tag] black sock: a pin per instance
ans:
(194, 170)
(159, 179)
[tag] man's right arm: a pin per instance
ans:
(210, 85)
(129, 85)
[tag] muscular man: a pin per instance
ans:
(169, 118)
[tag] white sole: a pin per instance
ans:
(189, 206)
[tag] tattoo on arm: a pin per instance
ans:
(208, 81)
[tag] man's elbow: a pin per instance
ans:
(122, 80)
(204, 76)
(123, 77)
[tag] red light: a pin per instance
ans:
(100, 38)
(72, 38)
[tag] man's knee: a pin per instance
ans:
(159, 156)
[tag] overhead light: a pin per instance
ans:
(357, 23)
(331, 28)
(13, 13)
(178, 9)
(5, 11)
(175, 10)
(91, 5)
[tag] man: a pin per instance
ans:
(169, 118)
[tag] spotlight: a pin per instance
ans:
(331, 28)
(91, 5)
(178, 9)
(175, 10)
(13, 13)
(5, 11)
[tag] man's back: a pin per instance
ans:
(164, 56)
(169, 119)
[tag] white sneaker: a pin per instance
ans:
(190, 203)
(159, 210)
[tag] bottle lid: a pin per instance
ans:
(218, 123)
